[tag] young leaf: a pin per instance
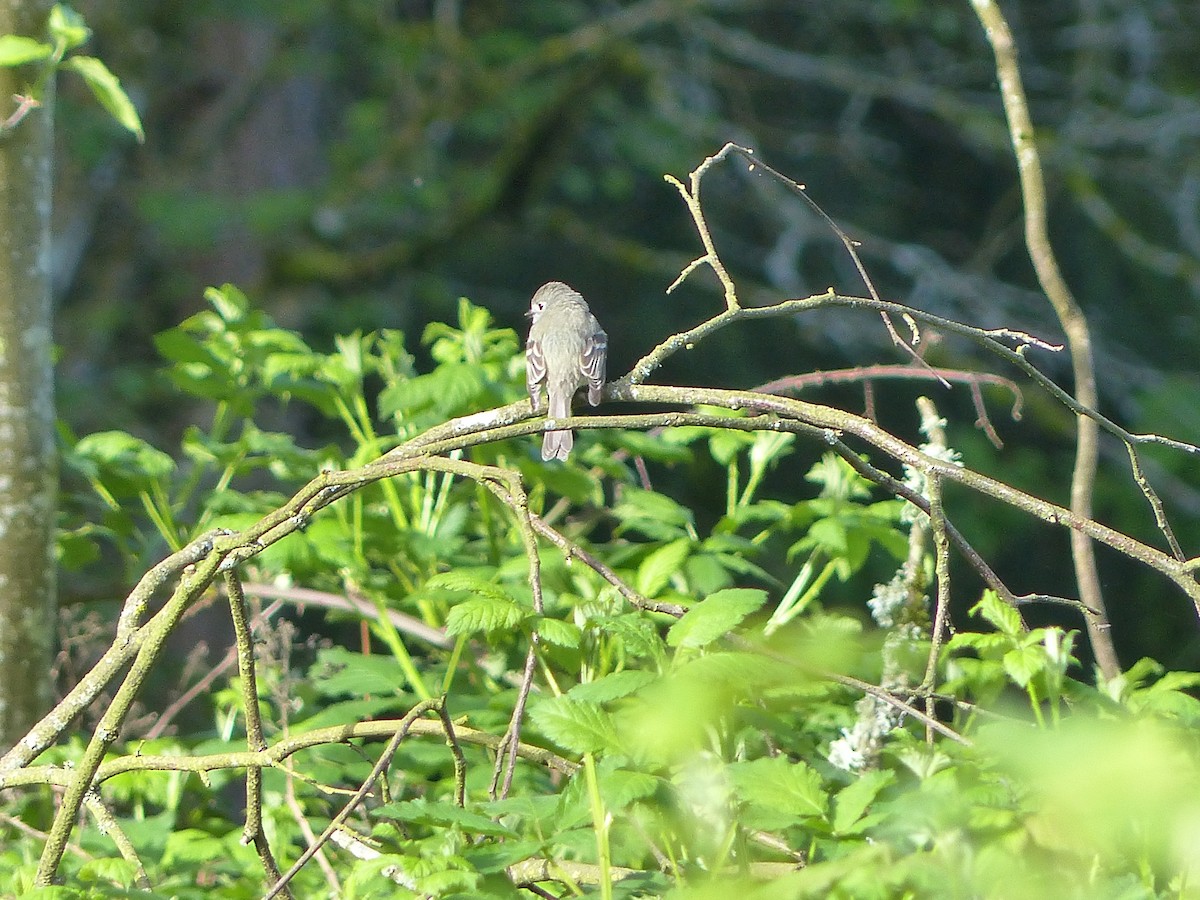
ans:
(657, 568)
(612, 687)
(483, 614)
(776, 785)
(468, 583)
(16, 50)
(852, 801)
(231, 304)
(438, 815)
(576, 725)
(715, 616)
(997, 613)
(558, 632)
(107, 89)
(67, 27)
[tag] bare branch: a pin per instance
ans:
(1074, 323)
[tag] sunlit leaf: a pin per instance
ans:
(613, 686)
(777, 785)
(715, 616)
(67, 26)
(16, 50)
(107, 89)
(656, 569)
(852, 801)
(483, 614)
(576, 725)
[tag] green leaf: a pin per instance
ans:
(483, 614)
(715, 616)
(558, 632)
(656, 569)
(653, 515)
(450, 387)
(107, 871)
(852, 801)
(830, 535)
(737, 673)
(575, 725)
(498, 856)
(438, 815)
(620, 787)
(705, 573)
(340, 672)
(575, 484)
(107, 89)
(67, 27)
(118, 454)
(16, 50)
(466, 582)
(984, 643)
(636, 636)
(191, 845)
(330, 714)
(76, 550)
(177, 346)
(778, 786)
(649, 446)
(725, 445)
(1023, 663)
(999, 614)
(612, 687)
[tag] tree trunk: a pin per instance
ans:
(28, 472)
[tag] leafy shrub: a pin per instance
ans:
(693, 725)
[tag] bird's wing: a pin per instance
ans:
(535, 371)
(594, 362)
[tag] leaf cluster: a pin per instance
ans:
(66, 30)
(682, 753)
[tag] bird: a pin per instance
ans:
(566, 349)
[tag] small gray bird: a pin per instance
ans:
(566, 349)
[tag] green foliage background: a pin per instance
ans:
(703, 744)
(362, 165)
(359, 167)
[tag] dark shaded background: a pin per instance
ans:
(361, 164)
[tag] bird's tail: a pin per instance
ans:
(557, 444)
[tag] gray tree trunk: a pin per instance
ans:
(28, 469)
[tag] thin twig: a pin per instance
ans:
(300, 596)
(941, 547)
(757, 165)
(310, 836)
(573, 550)
(385, 760)
(108, 824)
(512, 736)
(866, 374)
(1074, 323)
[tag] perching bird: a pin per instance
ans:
(566, 349)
